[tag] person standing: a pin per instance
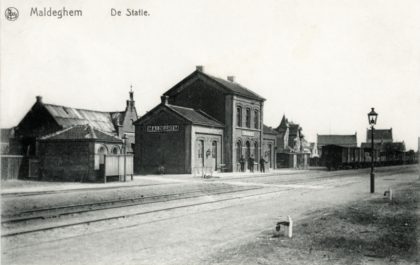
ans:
(251, 163)
(262, 164)
(242, 162)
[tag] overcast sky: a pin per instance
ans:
(323, 64)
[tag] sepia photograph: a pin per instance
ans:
(210, 132)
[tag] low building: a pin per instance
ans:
(76, 153)
(174, 139)
(43, 119)
(344, 140)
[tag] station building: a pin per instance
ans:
(202, 121)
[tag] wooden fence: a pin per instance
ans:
(11, 167)
(114, 166)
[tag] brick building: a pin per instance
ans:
(43, 119)
(175, 139)
(75, 153)
(238, 111)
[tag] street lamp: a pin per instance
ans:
(125, 155)
(372, 117)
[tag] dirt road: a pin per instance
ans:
(195, 234)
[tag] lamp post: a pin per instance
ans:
(125, 155)
(372, 117)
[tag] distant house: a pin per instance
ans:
(347, 140)
(384, 145)
(291, 152)
(43, 119)
(76, 153)
(380, 136)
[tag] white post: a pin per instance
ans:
(290, 232)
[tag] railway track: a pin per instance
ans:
(54, 212)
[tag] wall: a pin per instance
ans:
(242, 133)
(168, 149)
(269, 147)
(200, 94)
(208, 136)
(37, 122)
(67, 160)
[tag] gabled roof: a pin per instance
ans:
(269, 130)
(191, 116)
(67, 117)
(340, 140)
(380, 135)
(117, 117)
(196, 117)
(81, 132)
(228, 86)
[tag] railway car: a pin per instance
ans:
(339, 157)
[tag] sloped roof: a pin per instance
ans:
(67, 117)
(81, 132)
(196, 117)
(380, 134)
(117, 117)
(340, 140)
(230, 87)
(269, 130)
(236, 88)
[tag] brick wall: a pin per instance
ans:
(167, 149)
(67, 160)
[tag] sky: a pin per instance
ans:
(323, 64)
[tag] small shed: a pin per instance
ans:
(76, 153)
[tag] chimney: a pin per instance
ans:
(199, 68)
(164, 99)
(231, 78)
(39, 99)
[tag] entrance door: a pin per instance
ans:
(214, 154)
(200, 153)
(270, 159)
(248, 153)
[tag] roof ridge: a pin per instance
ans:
(63, 106)
(221, 82)
(60, 131)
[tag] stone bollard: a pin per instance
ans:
(284, 228)
(389, 194)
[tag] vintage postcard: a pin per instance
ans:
(210, 132)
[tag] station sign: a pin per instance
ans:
(162, 128)
(248, 133)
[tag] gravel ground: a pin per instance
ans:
(373, 231)
(202, 233)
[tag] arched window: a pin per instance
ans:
(238, 150)
(256, 119)
(248, 118)
(102, 152)
(248, 150)
(255, 150)
(239, 116)
(115, 150)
